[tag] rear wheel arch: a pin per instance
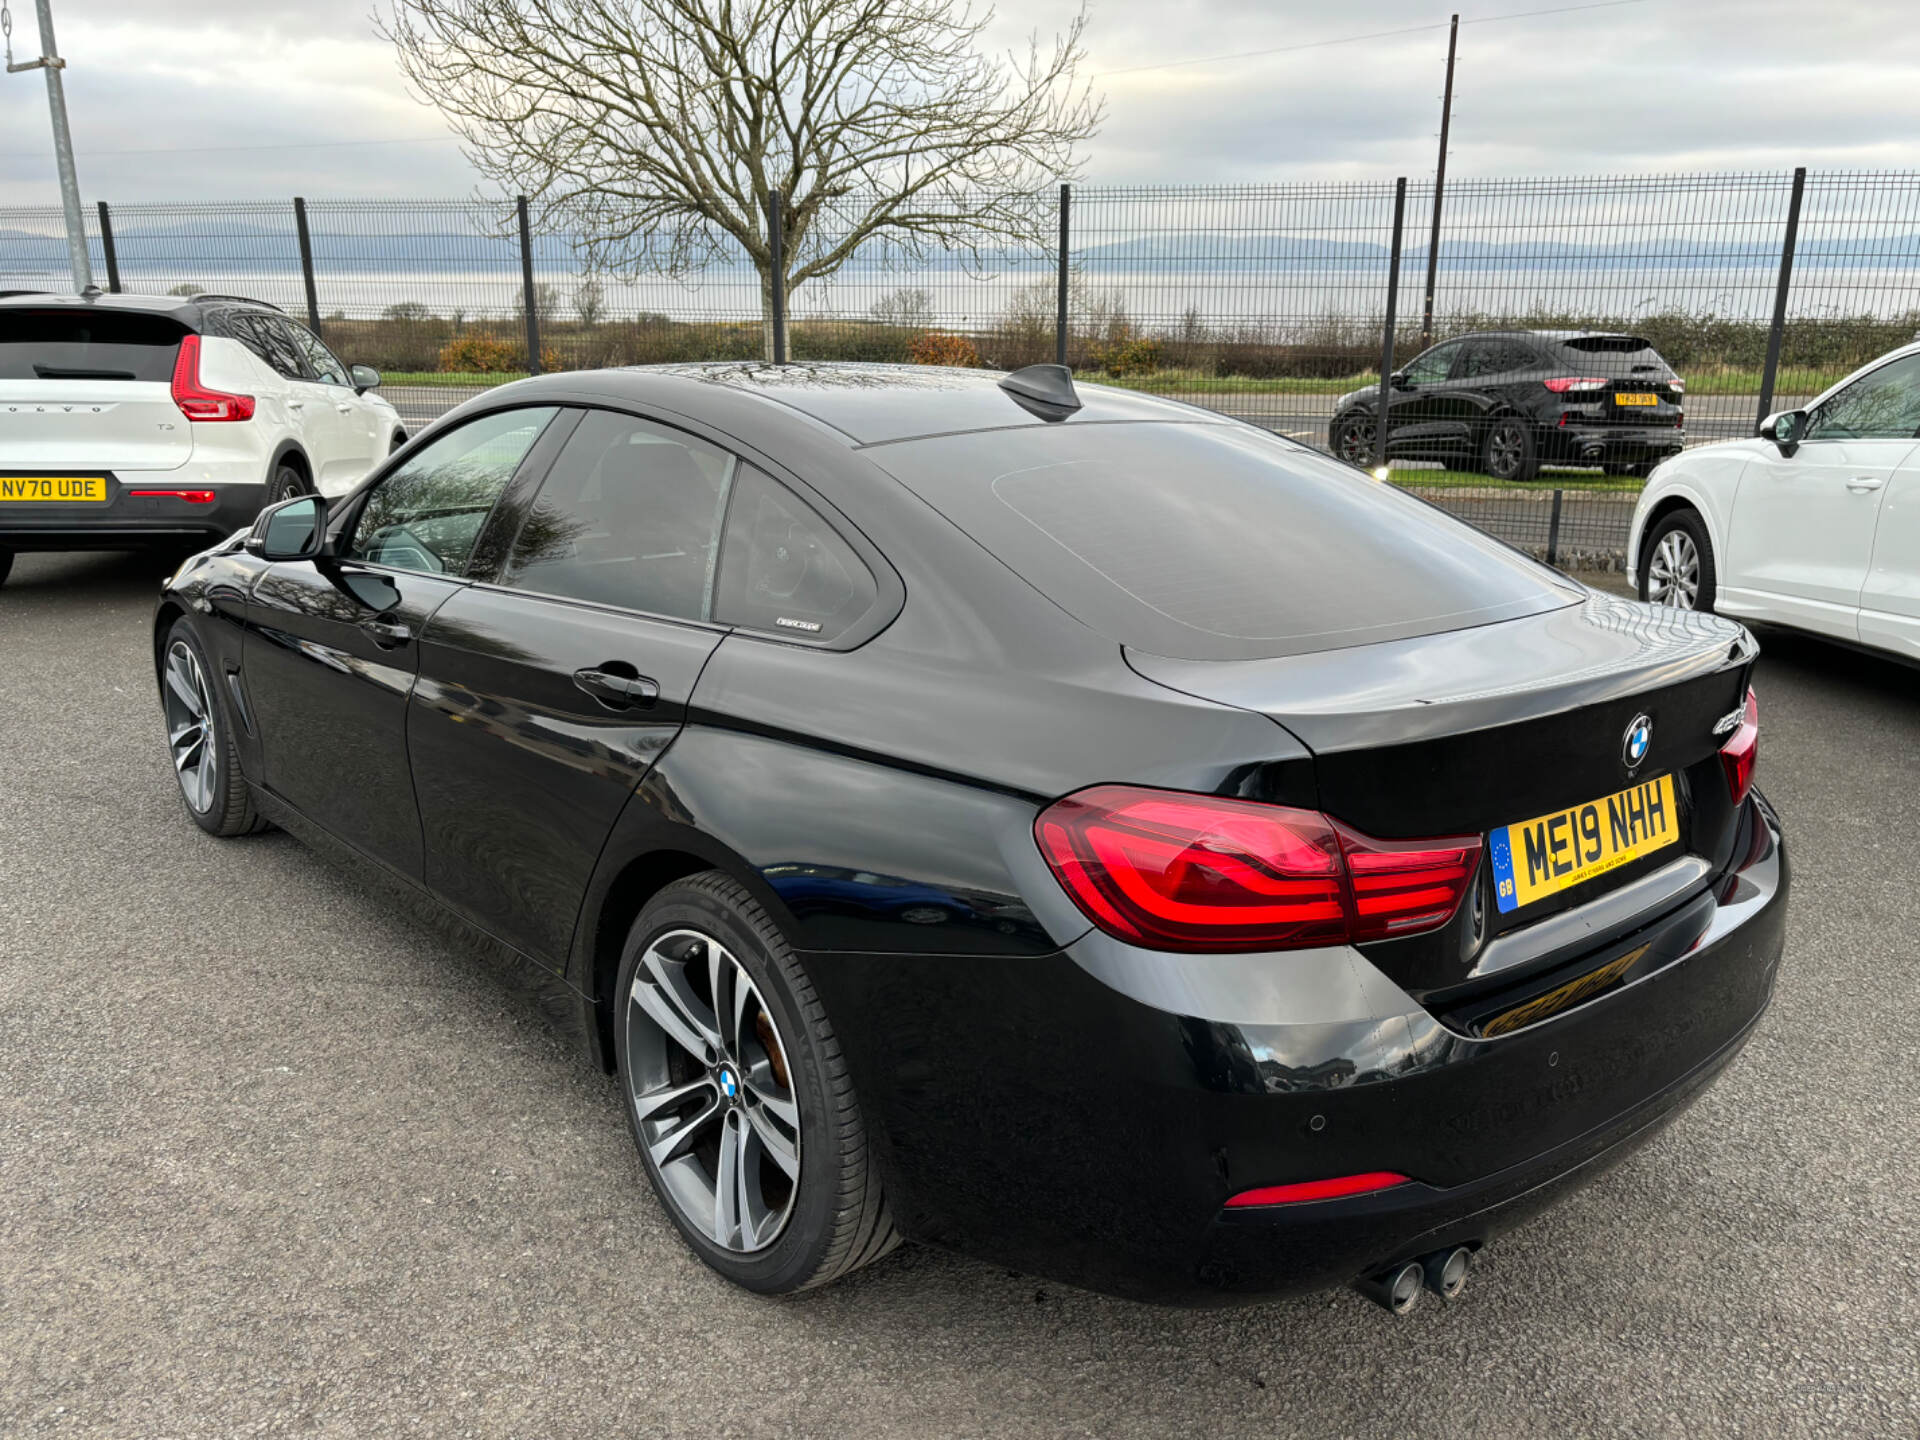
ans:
(636, 881)
(163, 621)
(290, 454)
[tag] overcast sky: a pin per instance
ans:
(229, 99)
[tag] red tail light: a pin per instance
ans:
(195, 400)
(1742, 750)
(1172, 871)
(1368, 1184)
(192, 497)
(1565, 383)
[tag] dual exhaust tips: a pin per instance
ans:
(1398, 1287)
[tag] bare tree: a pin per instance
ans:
(655, 130)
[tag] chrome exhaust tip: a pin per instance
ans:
(1396, 1289)
(1445, 1271)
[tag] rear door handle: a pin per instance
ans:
(344, 409)
(296, 404)
(618, 691)
(387, 633)
(1861, 484)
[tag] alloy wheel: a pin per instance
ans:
(1505, 447)
(712, 1093)
(1673, 575)
(190, 732)
(1356, 442)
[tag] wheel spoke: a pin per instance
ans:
(727, 1186)
(646, 1106)
(183, 686)
(729, 986)
(662, 992)
(190, 753)
(778, 1145)
(669, 1141)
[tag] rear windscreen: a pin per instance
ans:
(1614, 355)
(1217, 541)
(86, 345)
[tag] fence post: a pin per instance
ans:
(1060, 304)
(306, 263)
(1386, 334)
(777, 242)
(529, 299)
(107, 251)
(1553, 530)
(1772, 370)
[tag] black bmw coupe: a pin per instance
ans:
(1077, 829)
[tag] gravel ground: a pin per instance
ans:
(275, 1159)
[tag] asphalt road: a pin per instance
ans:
(275, 1159)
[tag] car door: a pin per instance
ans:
(1890, 599)
(1415, 421)
(549, 689)
(353, 439)
(1802, 532)
(1486, 369)
(332, 644)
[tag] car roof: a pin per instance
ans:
(187, 309)
(867, 404)
(1557, 336)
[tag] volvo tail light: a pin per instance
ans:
(1173, 871)
(1562, 384)
(195, 400)
(1742, 750)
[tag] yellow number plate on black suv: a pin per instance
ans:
(1543, 856)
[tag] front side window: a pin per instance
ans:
(1433, 366)
(784, 569)
(427, 514)
(324, 364)
(1884, 404)
(629, 515)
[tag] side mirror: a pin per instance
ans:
(1785, 428)
(1399, 380)
(294, 529)
(365, 378)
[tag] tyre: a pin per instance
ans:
(1508, 452)
(287, 482)
(1351, 439)
(6, 564)
(200, 739)
(1678, 568)
(738, 1097)
(399, 439)
(1639, 470)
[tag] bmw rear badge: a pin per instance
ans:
(1635, 743)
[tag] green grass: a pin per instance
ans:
(465, 380)
(1549, 481)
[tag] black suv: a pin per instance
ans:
(1508, 401)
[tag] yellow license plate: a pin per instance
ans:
(1551, 853)
(53, 489)
(1636, 399)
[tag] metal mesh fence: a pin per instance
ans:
(1263, 302)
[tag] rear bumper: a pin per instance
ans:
(1601, 444)
(128, 521)
(1087, 1117)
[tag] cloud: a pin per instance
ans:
(265, 98)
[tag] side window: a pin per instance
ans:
(783, 569)
(324, 364)
(629, 515)
(1882, 405)
(1482, 357)
(1432, 367)
(427, 514)
(270, 340)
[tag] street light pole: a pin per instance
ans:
(51, 62)
(1439, 188)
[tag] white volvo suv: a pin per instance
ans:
(1814, 523)
(134, 420)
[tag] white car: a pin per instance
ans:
(134, 420)
(1814, 523)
